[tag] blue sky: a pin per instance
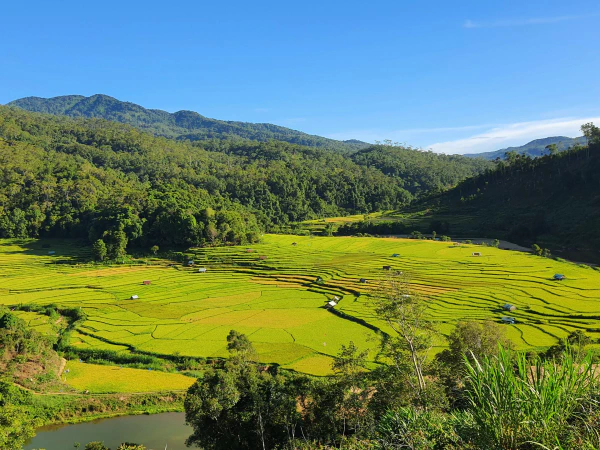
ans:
(457, 77)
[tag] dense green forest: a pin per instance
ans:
(183, 125)
(420, 172)
(97, 179)
(553, 201)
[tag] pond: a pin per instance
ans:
(156, 432)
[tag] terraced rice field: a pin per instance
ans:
(99, 379)
(275, 301)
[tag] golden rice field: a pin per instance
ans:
(99, 379)
(275, 301)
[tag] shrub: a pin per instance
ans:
(518, 403)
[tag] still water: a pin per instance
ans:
(154, 431)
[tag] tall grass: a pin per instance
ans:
(519, 403)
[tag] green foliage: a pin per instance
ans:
(420, 172)
(551, 201)
(16, 425)
(99, 250)
(516, 402)
(409, 428)
(256, 403)
(96, 445)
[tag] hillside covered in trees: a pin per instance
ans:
(553, 201)
(94, 178)
(182, 125)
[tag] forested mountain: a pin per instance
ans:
(420, 172)
(88, 177)
(553, 200)
(182, 125)
(534, 148)
(93, 178)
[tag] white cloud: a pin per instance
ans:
(508, 135)
(522, 22)
(409, 135)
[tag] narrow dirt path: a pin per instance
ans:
(63, 363)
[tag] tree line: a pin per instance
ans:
(100, 180)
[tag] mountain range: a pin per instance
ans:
(534, 148)
(190, 125)
(181, 125)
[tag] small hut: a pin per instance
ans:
(336, 298)
(363, 280)
(387, 267)
(262, 257)
(559, 277)
(395, 255)
(190, 263)
(249, 250)
(133, 297)
(146, 282)
(331, 304)
(294, 244)
(510, 320)
(509, 307)
(202, 270)
(476, 253)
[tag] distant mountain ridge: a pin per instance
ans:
(180, 125)
(534, 148)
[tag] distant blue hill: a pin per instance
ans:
(534, 148)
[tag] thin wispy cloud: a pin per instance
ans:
(401, 135)
(524, 22)
(513, 134)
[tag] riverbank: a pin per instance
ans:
(61, 409)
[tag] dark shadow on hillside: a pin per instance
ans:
(59, 250)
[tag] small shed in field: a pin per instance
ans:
(509, 307)
(336, 298)
(510, 320)
(363, 280)
(249, 250)
(476, 253)
(395, 255)
(190, 263)
(133, 297)
(202, 270)
(262, 257)
(294, 244)
(147, 282)
(387, 267)
(331, 304)
(559, 277)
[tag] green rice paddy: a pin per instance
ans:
(275, 301)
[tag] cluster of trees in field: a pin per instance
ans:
(477, 394)
(100, 180)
